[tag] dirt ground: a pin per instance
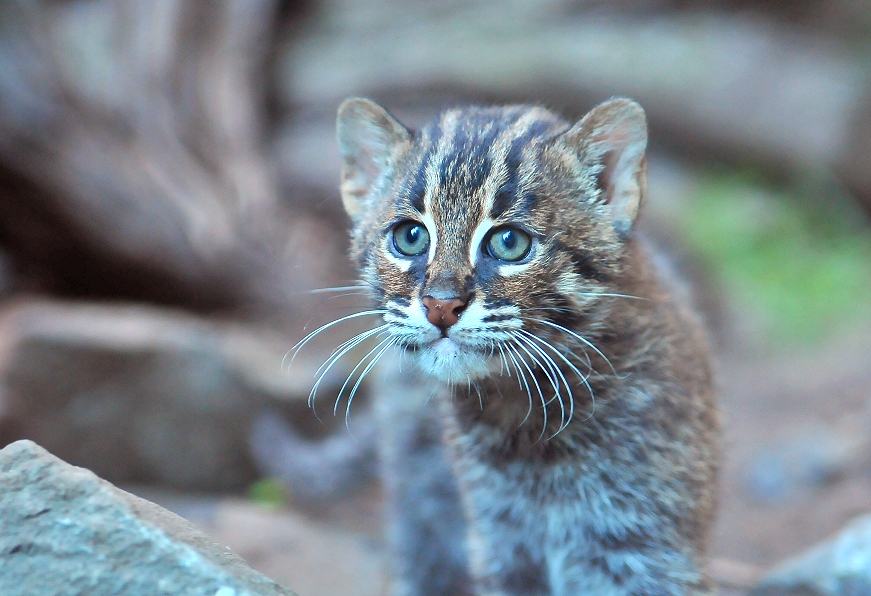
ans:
(796, 469)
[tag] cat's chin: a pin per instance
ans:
(448, 361)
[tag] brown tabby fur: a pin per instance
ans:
(569, 444)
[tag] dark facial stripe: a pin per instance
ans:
(582, 262)
(496, 318)
(508, 195)
(416, 185)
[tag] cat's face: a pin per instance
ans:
(490, 234)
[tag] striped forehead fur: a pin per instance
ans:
(480, 151)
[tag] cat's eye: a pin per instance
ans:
(410, 238)
(508, 244)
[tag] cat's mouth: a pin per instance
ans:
(449, 360)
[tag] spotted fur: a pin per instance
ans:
(569, 442)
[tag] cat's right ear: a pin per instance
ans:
(370, 139)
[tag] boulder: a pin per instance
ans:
(65, 531)
(142, 394)
(838, 567)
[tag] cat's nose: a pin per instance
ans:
(443, 313)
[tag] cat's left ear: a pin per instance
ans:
(612, 137)
(370, 139)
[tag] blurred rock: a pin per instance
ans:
(317, 556)
(809, 459)
(738, 86)
(63, 531)
(142, 394)
(316, 472)
(839, 567)
(131, 160)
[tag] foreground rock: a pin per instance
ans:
(145, 395)
(840, 567)
(65, 531)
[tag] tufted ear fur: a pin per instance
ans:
(370, 140)
(612, 138)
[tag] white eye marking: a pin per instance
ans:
(477, 238)
(402, 264)
(429, 223)
(512, 269)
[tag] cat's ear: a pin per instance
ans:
(369, 140)
(612, 139)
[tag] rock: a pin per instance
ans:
(839, 567)
(809, 459)
(65, 531)
(318, 556)
(143, 395)
(316, 472)
(732, 85)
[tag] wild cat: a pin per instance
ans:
(559, 433)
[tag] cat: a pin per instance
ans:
(558, 434)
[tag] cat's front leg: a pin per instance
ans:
(509, 564)
(425, 524)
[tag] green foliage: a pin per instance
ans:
(803, 261)
(268, 492)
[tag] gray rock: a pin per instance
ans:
(65, 531)
(839, 567)
(809, 459)
(139, 394)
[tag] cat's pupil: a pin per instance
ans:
(412, 236)
(509, 239)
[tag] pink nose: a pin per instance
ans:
(443, 313)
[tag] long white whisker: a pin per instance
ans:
(537, 386)
(584, 378)
(341, 289)
(341, 350)
(611, 295)
(295, 349)
(391, 341)
(521, 376)
(354, 370)
(503, 363)
(579, 338)
(563, 421)
(581, 377)
(546, 369)
(552, 368)
(337, 355)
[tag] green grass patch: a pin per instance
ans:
(802, 259)
(268, 492)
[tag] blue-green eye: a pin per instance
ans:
(410, 238)
(509, 244)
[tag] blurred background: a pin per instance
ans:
(168, 202)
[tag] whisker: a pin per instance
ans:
(480, 398)
(545, 369)
(611, 295)
(583, 378)
(295, 349)
(340, 289)
(350, 343)
(556, 371)
(354, 370)
(537, 387)
(391, 341)
(337, 355)
(579, 338)
(521, 376)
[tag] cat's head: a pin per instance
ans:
(491, 233)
